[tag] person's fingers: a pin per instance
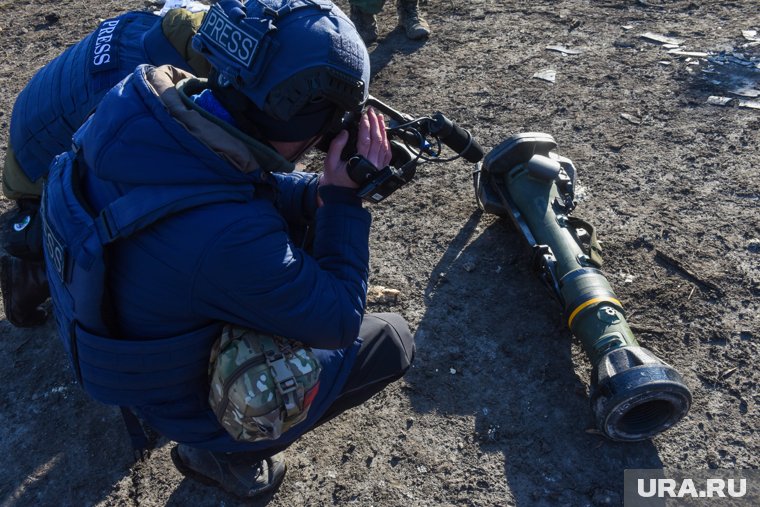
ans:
(377, 131)
(332, 160)
(386, 143)
(363, 136)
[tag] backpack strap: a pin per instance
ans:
(132, 372)
(144, 206)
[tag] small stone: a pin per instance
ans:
(380, 294)
(631, 118)
(715, 100)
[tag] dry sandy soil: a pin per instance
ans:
(495, 410)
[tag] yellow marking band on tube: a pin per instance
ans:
(589, 303)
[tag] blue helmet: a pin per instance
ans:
(286, 56)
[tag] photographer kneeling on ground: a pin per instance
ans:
(177, 212)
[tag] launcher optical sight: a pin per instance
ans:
(634, 395)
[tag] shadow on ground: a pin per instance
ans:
(527, 401)
(392, 45)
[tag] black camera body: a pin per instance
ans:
(377, 184)
(413, 141)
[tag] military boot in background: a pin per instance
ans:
(366, 24)
(25, 287)
(410, 20)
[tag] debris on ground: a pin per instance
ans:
(380, 294)
(735, 73)
(718, 101)
(695, 54)
(752, 104)
(189, 5)
(563, 50)
(751, 35)
(662, 39)
(546, 75)
(725, 58)
(746, 92)
(631, 118)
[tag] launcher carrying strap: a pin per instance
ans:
(593, 249)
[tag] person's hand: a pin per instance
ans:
(371, 142)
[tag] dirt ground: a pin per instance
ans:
(495, 410)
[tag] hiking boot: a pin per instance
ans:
(410, 20)
(24, 286)
(233, 472)
(366, 24)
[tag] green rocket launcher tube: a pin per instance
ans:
(634, 395)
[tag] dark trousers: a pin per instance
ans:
(386, 353)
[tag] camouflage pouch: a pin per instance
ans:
(261, 385)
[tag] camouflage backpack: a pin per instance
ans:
(261, 385)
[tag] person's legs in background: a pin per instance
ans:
(363, 15)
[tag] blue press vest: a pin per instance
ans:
(61, 95)
(165, 381)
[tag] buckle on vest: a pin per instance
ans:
(284, 381)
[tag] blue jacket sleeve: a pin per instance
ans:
(252, 275)
(296, 198)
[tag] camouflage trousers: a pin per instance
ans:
(368, 6)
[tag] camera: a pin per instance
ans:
(413, 141)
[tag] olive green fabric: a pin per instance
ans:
(179, 26)
(594, 249)
(16, 185)
(242, 151)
